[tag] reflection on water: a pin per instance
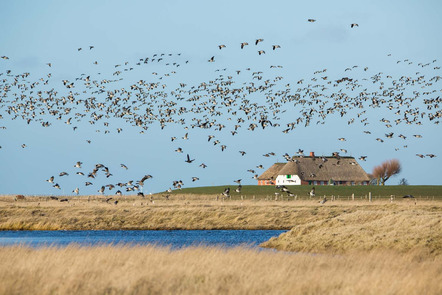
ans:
(173, 238)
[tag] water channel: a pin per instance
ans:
(174, 238)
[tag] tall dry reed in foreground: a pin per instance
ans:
(201, 270)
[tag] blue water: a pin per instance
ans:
(173, 238)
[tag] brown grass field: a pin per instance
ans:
(200, 270)
(340, 247)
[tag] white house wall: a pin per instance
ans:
(283, 180)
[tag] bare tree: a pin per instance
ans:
(386, 170)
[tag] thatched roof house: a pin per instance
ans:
(315, 170)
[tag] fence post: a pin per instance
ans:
(369, 197)
(352, 197)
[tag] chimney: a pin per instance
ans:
(312, 154)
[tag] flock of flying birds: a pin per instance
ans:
(219, 105)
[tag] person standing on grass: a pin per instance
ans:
(312, 192)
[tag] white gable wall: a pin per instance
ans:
(288, 180)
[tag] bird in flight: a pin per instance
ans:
(189, 160)
(354, 25)
(221, 46)
(258, 40)
(244, 44)
(226, 192)
(311, 20)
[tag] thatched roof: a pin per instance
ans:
(272, 172)
(320, 169)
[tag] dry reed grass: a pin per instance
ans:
(201, 270)
(399, 229)
(189, 213)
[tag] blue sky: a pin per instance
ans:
(39, 32)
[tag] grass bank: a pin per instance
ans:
(185, 212)
(398, 228)
(150, 270)
(302, 192)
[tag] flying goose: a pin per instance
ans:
(226, 192)
(189, 160)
